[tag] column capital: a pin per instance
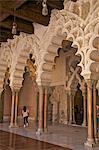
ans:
(83, 85)
(89, 83)
(46, 87)
(46, 90)
(1, 89)
(15, 90)
(40, 87)
(94, 83)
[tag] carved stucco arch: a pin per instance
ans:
(14, 54)
(29, 46)
(66, 24)
(79, 27)
(5, 61)
(95, 57)
(52, 52)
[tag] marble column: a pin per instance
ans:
(66, 107)
(55, 112)
(16, 108)
(70, 99)
(84, 108)
(90, 138)
(95, 111)
(73, 110)
(40, 111)
(12, 110)
(45, 110)
(1, 105)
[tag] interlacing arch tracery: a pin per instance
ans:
(30, 45)
(77, 22)
(5, 61)
(31, 67)
(74, 76)
(15, 54)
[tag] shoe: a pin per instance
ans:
(24, 125)
(27, 124)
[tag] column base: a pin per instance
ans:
(39, 131)
(90, 142)
(16, 126)
(45, 130)
(96, 140)
(11, 125)
(84, 125)
(66, 122)
(73, 122)
(70, 122)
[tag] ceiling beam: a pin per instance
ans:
(55, 4)
(23, 26)
(12, 4)
(28, 15)
(32, 16)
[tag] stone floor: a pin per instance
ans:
(10, 141)
(72, 137)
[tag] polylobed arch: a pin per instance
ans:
(31, 46)
(75, 27)
(68, 25)
(52, 53)
(15, 55)
(5, 61)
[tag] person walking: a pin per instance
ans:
(25, 114)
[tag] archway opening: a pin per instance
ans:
(65, 78)
(28, 95)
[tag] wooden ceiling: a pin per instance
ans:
(26, 12)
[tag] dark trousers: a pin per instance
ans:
(25, 120)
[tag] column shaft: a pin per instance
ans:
(90, 138)
(12, 110)
(95, 112)
(84, 108)
(66, 107)
(16, 107)
(70, 119)
(73, 109)
(40, 122)
(45, 110)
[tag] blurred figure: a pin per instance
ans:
(25, 114)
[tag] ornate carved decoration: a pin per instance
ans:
(15, 53)
(32, 67)
(6, 78)
(78, 22)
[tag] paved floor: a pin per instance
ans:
(72, 137)
(10, 141)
